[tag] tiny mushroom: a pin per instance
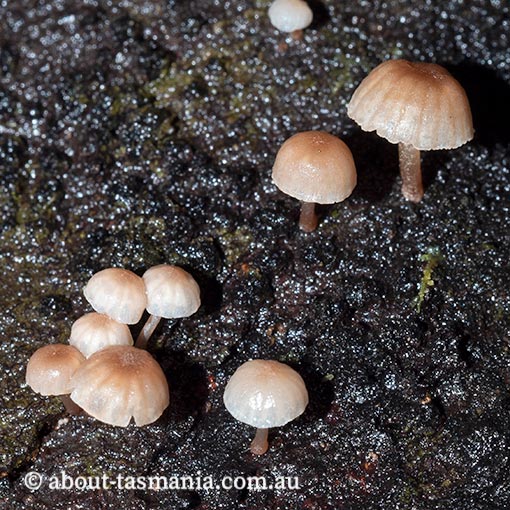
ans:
(95, 331)
(420, 106)
(118, 293)
(314, 167)
(172, 293)
(119, 383)
(264, 394)
(290, 16)
(50, 369)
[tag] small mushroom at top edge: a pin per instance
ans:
(290, 16)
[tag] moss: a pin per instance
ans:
(432, 259)
(235, 244)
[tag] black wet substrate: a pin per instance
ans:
(134, 133)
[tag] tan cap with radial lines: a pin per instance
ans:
(118, 293)
(119, 383)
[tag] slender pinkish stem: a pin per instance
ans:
(308, 219)
(410, 171)
(147, 330)
(259, 445)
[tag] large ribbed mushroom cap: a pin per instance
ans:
(118, 293)
(290, 15)
(415, 104)
(51, 367)
(171, 292)
(316, 167)
(119, 383)
(95, 331)
(265, 394)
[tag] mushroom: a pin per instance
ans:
(314, 167)
(119, 383)
(419, 106)
(264, 394)
(95, 331)
(290, 16)
(172, 293)
(118, 293)
(50, 369)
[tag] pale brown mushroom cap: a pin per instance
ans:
(119, 383)
(118, 293)
(95, 331)
(265, 394)
(51, 367)
(415, 104)
(290, 15)
(315, 166)
(171, 292)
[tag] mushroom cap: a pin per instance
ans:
(315, 166)
(118, 293)
(51, 367)
(413, 103)
(171, 292)
(265, 394)
(95, 331)
(290, 15)
(121, 382)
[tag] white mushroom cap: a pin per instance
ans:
(118, 293)
(265, 394)
(119, 383)
(416, 104)
(171, 292)
(290, 15)
(315, 166)
(95, 331)
(51, 367)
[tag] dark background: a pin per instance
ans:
(134, 133)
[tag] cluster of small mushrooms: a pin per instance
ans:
(418, 106)
(103, 374)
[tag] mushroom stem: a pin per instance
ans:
(410, 171)
(259, 445)
(308, 219)
(297, 35)
(72, 408)
(147, 330)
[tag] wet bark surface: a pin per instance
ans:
(135, 133)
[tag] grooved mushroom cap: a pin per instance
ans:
(290, 15)
(265, 394)
(51, 367)
(118, 293)
(171, 292)
(95, 331)
(315, 166)
(120, 382)
(413, 103)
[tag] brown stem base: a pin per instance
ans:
(71, 407)
(297, 35)
(308, 219)
(410, 171)
(259, 445)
